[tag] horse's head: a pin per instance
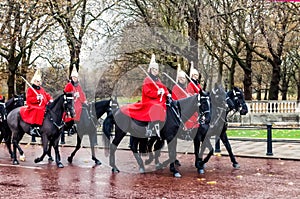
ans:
(114, 104)
(69, 104)
(204, 107)
(18, 100)
(238, 100)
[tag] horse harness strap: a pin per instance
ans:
(62, 124)
(176, 112)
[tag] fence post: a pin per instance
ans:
(269, 139)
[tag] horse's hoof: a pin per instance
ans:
(142, 170)
(15, 162)
(70, 159)
(159, 166)
(201, 171)
(236, 165)
(115, 170)
(98, 162)
(22, 158)
(60, 165)
(62, 142)
(177, 163)
(177, 175)
(37, 160)
(148, 161)
(50, 159)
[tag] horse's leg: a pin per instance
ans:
(57, 154)
(157, 149)
(205, 139)
(142, 146)
(7, 140)
(16, 139)
(45, 149)
(50, 159)
(227, 145)
(119, 135)
(14, 155)
(92, 145)
(172, 157)
(136, 154)
(198, 159)
(150, 144)
(77, 147)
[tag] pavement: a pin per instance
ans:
(256, 148)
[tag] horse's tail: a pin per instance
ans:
(107, 129)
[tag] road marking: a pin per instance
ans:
(25, 167)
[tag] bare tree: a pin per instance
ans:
(22, 24)
(75, 18)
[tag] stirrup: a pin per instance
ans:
(148, 131)
(156, 127)
(35, 131)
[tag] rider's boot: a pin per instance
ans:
(35, 131)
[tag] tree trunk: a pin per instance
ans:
(11, 83)
(248, 75)
(74, 55)
(274, 86)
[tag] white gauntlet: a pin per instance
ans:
(39, 97)
(160, 91)
(76, 94)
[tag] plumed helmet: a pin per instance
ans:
(68, 88)
(74, 73)
(37, 76)
(180, 73)
(193, 71)
(152, 64)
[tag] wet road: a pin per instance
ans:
(257, 178)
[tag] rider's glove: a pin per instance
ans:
(160, 91)
(76, 94)
(169, 99)
(39, 97)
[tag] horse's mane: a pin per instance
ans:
(102, 103)
(50, 106)
(9, 102)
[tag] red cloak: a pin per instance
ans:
(150, 108)
(34, 112)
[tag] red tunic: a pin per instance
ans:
(34, 112)
(177, 93)
(150, 108)
(193, 89)
(79, 99)
(193, 121)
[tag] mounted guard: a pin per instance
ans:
(152, 107)
(36, 99)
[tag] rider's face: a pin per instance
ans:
(37, 82)
(154, 71)
(75, 79)
(182, 80)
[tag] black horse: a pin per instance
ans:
(197, 135)
(5, 109)
(50, 130)
(87, 125)
(222, 104)
(188, 106)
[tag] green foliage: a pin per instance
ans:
(262, 133)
